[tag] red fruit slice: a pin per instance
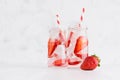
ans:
(73, 61)
(81, 55)
(51, 46)
(58, 62)
(90, 63)
(81, 43)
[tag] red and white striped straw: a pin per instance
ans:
(82, 15)
(58, 19)
(61, 35)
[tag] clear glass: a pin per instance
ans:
(56, 48)
(67, 47)
(77, 44)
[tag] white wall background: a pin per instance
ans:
(24, 26)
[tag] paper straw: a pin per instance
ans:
(58, 19)
(82, 15)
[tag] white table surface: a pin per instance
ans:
(17, 72)
(24, 26)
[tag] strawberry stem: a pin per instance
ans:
(98, 65)
(97, 59)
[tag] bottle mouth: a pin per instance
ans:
(77, 28)
(84, 28)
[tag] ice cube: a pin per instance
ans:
(60, 51)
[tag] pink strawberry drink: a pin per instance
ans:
(77, 44)
(56, 48)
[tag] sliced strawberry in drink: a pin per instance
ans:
(81, 43)
(81, 55)
(59, 62)
(73, 61)
(51, 46)
(57, 42)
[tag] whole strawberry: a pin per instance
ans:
(90, 63)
